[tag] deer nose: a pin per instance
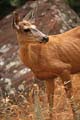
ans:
(45, 39)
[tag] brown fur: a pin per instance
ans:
(60, 56)
(48, 60)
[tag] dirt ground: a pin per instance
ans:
(17, 81)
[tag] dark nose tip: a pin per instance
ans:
(45, 39)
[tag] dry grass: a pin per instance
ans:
(34, 106)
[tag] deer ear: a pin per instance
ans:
(15, 20)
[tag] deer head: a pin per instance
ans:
(27, 31)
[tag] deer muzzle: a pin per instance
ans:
(45, 39)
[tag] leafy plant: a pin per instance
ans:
(16, 2)
(6, 6)
(13, 3)
(73, 3)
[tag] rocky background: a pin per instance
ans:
(16, 80)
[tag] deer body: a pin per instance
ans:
(50, 57)
(47, 60)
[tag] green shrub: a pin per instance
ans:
(13, 3)
(73, 3)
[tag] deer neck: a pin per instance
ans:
(30, 54)
(32, 47)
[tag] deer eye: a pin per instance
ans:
(27, 30)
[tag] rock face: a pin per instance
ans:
(54, 16)
(50, 16)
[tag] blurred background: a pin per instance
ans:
(16, 80)
(6, 6)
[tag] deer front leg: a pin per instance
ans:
(50, 93)
(66, 78)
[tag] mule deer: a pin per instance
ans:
(50, 56)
